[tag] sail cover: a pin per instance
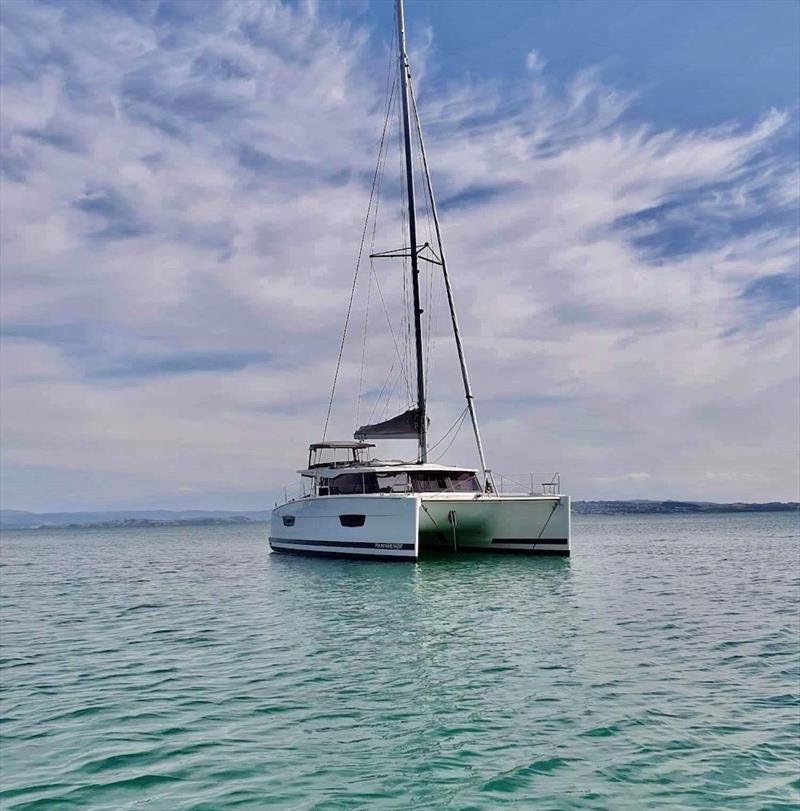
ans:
(403, 426)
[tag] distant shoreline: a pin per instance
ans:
(18, 519)
(678, 507)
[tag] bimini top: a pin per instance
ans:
(316, 446)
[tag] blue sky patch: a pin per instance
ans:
(116, 216)
(180, 363)
(475, 195)
(774, 295)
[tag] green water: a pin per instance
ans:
(659, 667)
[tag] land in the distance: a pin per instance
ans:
(673, 507)
(19, 519)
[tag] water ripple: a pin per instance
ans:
(189, 669)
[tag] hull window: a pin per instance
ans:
(352, 520)
(288, 520)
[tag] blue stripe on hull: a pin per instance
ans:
(345, 544)
(342, 549)
(317, 553)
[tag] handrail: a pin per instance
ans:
(528, 484)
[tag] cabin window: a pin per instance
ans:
(441, 481)
(392, 482)
(352, 484)
(352, 520)
(429, 482)
(464, 482)
(347, 484)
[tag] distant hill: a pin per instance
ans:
(19, 519)
(677, 507)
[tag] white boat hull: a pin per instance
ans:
(501, 523)
(390, 529)
(399, 526)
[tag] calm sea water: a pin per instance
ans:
(659, 667)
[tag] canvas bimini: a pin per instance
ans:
(352, 504)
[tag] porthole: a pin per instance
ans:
(352, 520)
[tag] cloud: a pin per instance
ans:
(183, 193)
(535, 62)
(117, 217)
(624, 477)
(733, 476)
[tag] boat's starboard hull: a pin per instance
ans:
(501, 523)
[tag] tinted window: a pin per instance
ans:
(464, 482)
(392, 482)
(443, 481)
(429, 482)
(351, 483)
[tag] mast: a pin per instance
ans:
(453, 317)
(412, 234)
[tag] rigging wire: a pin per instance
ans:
(453, 318)
(399, 355)
(405, 324)
(363, 352)
(449, 444)
(389, 397)
(355, 277)
(403, 368)
(382, 155)
(404, 372)
(458, 419)
(429, 290)
(383, 388)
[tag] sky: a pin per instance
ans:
(183, 193)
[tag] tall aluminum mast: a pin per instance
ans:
(412, 234)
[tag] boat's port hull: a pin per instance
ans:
(329, 525)
(400, 526)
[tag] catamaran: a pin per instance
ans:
(352, 504)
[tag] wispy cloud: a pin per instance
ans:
(183, 190)
(623, 477)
